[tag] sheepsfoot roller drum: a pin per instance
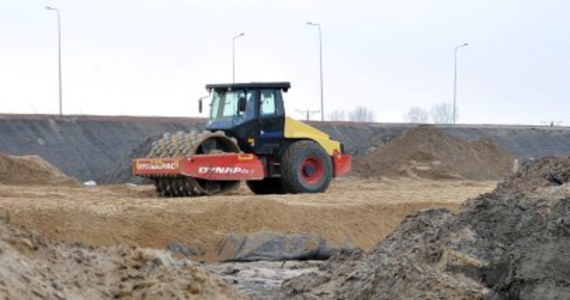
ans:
(249, 139)
(193, 164)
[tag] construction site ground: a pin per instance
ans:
(422, 204)
(352, 213)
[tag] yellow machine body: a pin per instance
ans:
(298, 130)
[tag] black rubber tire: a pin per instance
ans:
(266, 186)
(293, 163)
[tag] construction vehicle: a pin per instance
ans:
(247, 138)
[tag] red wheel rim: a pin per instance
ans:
(312, 170)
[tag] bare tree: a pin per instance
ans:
(551, 123)
(361, 114)
(337, 115)
(442, 113)
(416, 115)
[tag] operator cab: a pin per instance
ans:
(253, 113)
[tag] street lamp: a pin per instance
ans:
(455, 81)
(320, 66)
(59, 55)
(234, 56)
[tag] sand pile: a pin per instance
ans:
(426, 152)
(34, 267)
(30, 169)
(508, 244)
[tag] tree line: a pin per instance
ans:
(439, 114)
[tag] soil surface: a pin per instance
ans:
(34, 267)
(511, 241)
(352, 213)
(113, 222)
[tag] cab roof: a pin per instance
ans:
(250, 86)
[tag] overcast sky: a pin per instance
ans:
(151, 57)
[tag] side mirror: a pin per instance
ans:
(200, 105)
(241, 104)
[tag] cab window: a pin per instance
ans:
(267, 103)
(249, 113)
(231, 103)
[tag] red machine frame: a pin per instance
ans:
(220, 166)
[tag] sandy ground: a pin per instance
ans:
(353, 212)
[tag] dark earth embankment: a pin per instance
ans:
(82, 146)
(512, 243)
(87, 147)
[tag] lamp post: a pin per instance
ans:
(234, 56)
(320, 66)
(455, 81)
(59, 56)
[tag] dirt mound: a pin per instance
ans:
(426, 152)
(500, 245)
(34, 267)
(545, 172)
(30, 169)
